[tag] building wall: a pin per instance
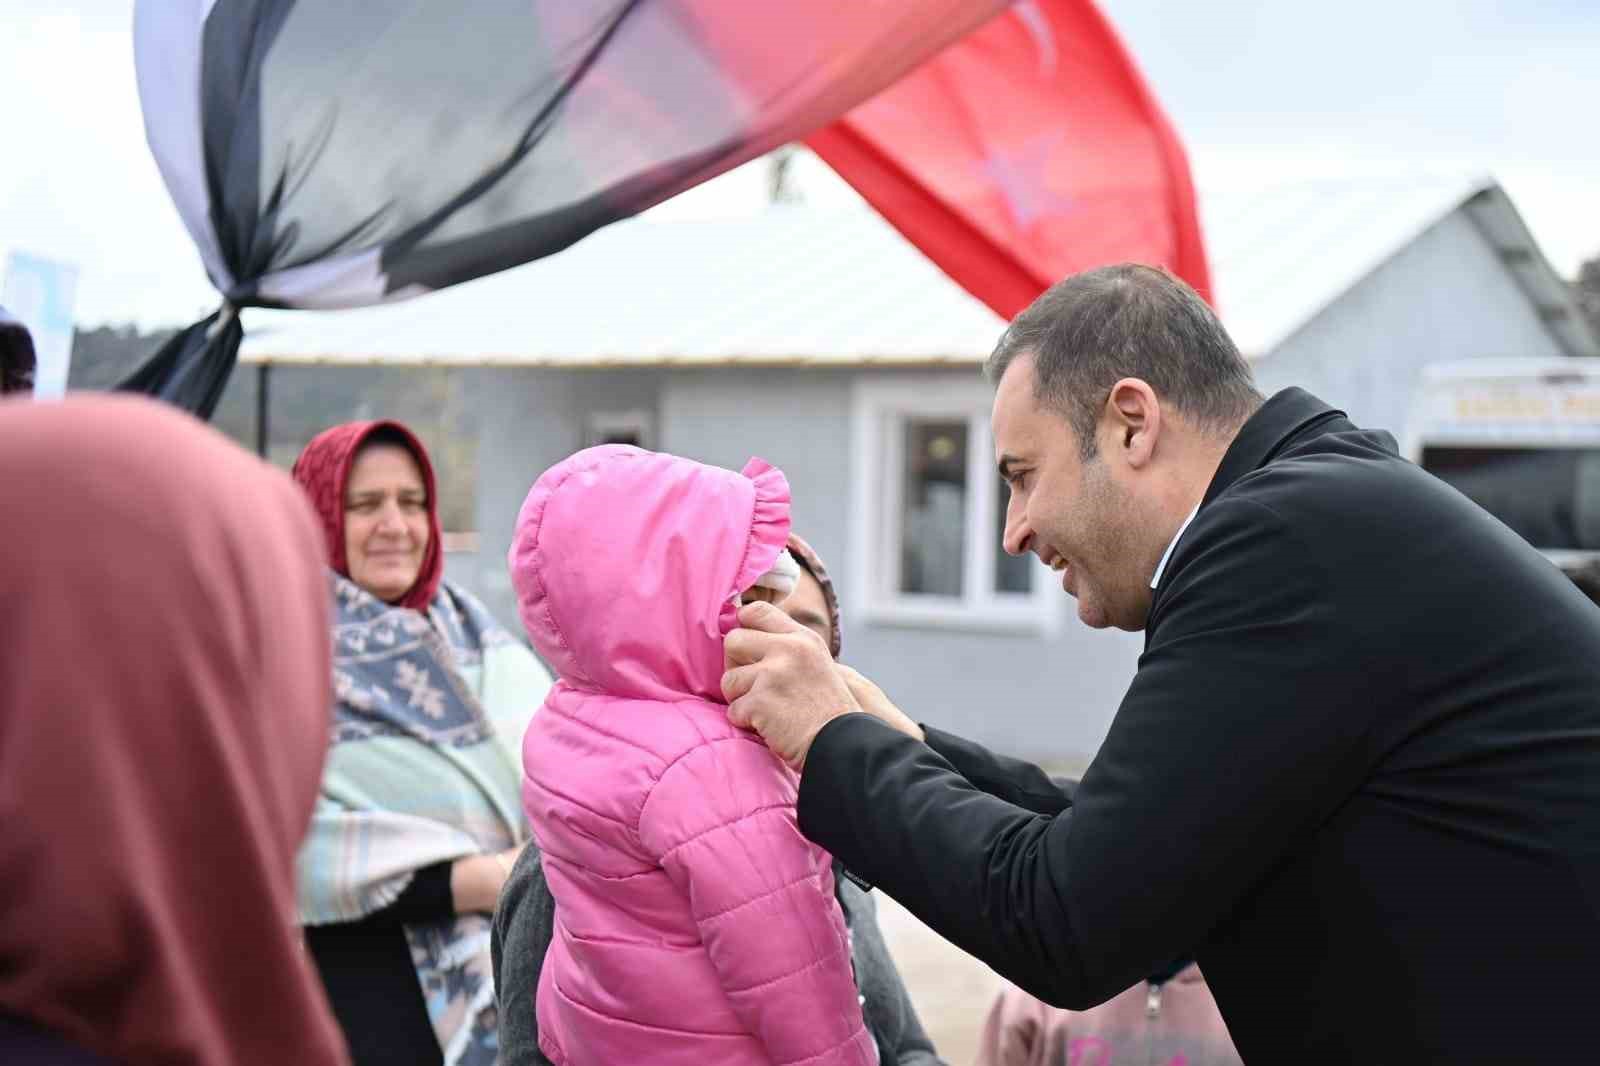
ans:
(1445, 296)
(528, 421)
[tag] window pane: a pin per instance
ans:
(1012, 573)
(617, 427)
(1550, 496)
(933, 511)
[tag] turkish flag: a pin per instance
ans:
(1029, 150)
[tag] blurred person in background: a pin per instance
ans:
(420, 814)
(1169, 1019)
(525, 920)
(17, 359)
(163, 721)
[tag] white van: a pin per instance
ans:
(1521, 438)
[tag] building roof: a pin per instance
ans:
(805, 285)
(787, 285)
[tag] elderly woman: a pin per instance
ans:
(163, 715)
(420, 816)
(524, 924)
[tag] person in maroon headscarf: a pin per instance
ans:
(389, 544)
(163, 720)
(420, 817)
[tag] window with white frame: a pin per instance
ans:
(619, 427)
(930, 512)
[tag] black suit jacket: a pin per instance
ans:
(1357, 774)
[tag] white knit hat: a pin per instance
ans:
(783, 577)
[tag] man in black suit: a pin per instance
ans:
(1357, 774)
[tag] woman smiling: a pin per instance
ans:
(420, 816)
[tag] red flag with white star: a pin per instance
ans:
(1029, 150)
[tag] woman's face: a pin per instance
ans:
(808, 606)
(385, 521)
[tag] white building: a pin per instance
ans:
(823, 342)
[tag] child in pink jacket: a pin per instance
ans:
(694, 924)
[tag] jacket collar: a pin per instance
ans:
(1275, 425)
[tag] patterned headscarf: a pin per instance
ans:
(812, 564)
(323, 470)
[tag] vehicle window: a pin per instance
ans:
(1550, 496)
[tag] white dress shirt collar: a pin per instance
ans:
(1162, 565)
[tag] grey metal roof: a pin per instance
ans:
(796, 284)
(788, 285)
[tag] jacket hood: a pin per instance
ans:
(626, 564)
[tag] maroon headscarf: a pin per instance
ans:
(811, 562)
(164, 706)
(323, 470)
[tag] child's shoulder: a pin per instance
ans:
(699, 736)
(690, 724)
(721, 774)
(653, 732)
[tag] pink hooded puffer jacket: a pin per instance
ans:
(694, 924)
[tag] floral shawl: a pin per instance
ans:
(423, 768)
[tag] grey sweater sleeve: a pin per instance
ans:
(524, 923)
(890, 1016)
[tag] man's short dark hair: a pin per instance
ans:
(1128, 321)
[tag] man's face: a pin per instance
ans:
(1074, 514)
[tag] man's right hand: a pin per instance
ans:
(874, 702)
(780, 682)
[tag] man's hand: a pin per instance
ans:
(781, 682)
(872, 700)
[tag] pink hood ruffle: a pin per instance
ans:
(626, 563)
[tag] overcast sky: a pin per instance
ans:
(1261, 90)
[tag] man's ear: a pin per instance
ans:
(1133, 422)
